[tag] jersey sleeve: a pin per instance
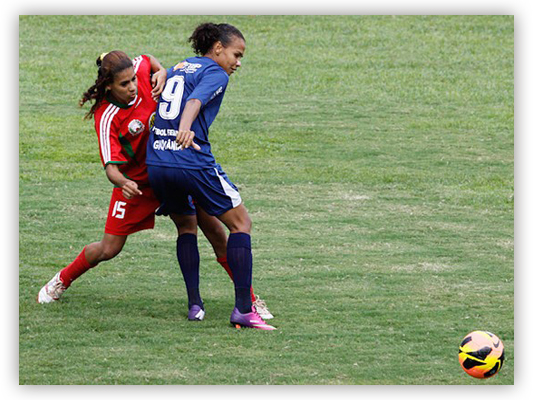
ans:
(108, 137)
(143, 68)
(212, 83)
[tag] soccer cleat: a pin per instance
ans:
(261, 308)
(52, 291)
(196, 313)
(249, 320)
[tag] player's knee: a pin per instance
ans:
(109, 251)
(243, 224)
(187, 227)
(185, 223)
(248, 224)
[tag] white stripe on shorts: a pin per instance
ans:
(232, 193)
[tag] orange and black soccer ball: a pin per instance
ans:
(481, 354)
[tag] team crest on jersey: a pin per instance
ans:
(151, 121)
(135, 127)
(187, 67)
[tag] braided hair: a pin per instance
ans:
(109, 64)
(207, 34)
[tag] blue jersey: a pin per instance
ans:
(195, 78)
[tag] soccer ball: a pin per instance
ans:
(481, 354)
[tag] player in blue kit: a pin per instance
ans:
(180, 169)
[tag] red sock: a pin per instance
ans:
(75, 269)
(224, 262)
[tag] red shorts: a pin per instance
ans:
(127, 216)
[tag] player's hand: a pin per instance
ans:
(185, 139)
(130, 189)
(158, 83)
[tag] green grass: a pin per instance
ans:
(375, 155)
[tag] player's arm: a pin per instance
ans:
(129, 187)
(159, 76)
(185, 136)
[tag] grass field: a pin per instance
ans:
(375, 156)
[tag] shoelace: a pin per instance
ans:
(56, 289)
(260, 303)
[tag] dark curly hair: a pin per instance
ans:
(207, 34)
(109, 64)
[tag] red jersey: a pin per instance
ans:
(123, 130)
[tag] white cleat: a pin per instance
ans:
(261, 308)
(52, 291)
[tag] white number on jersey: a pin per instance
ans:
(170, 104)
(119, 210)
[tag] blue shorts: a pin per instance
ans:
(210, 188)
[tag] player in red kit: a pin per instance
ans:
(122, 129)
(125, 94)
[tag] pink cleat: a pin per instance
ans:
(249, 320)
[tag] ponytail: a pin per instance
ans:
(207, 34)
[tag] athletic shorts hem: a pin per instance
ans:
(217, 214)
(210, 188)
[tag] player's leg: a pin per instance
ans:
(91, 255)
(189, 262)
(219, 197)
(125, 216)
(167, 184)
(215, 233)
(239, 253)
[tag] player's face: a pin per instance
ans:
(229, 57)
(124, 86)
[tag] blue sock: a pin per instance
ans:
(239, 255)
(189, 261)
